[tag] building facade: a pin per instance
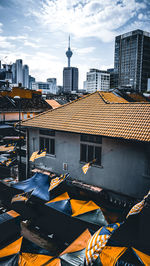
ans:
(115, 158)
(31, 80)
(70, 79)
(26, 76)
(97, 80)
(49, 87)
(19, 71)
(132, 60)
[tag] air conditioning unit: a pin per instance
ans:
(65, 166)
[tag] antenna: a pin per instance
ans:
(69, 41)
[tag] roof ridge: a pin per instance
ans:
(101, 96)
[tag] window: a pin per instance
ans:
(90, 148)
(46, 142)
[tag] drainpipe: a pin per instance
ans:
(27, 154)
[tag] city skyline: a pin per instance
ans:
(38, 33)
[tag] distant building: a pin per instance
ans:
(84, 85)
(5, 73)
(70, 79)
(70, 74)
(113, 78)
(132, 60)
(26, 76)
(13, 69)
(31, 80)
(52, 80)
(19, 71)
(97, 80)
(46, 87)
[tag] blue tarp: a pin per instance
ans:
(39, 183)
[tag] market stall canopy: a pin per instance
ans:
(39, 183)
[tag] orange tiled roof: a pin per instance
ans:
(92, 115)
(111, 97)
(53, 103)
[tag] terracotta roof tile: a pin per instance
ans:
(111, 97)
(54, 104)
(92, 115)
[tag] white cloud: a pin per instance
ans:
(88, 18)
(1, 25)
(5, 44)
(31, 44)
(85, 50)
(28, 28)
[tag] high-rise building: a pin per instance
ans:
(26, 76)
(19, 71)
(70, 74)
(70, 79)
(132, 60)
(97, 80)
(31, 80)
(13, 69)
(113, 78)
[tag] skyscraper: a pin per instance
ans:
(13, 69)
(26, 76)
(132, 60)
(70, 74)
(19, 71)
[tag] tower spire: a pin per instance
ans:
(69, 53)
(69, 42)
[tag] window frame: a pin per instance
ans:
(88, 144)
(48, 138)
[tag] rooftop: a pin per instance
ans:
(54, 104)
(99, 113)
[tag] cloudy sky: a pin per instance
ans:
(37, 31)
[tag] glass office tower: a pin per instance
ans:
(132, 60)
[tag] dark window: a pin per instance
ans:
(52, 146)
(98, 155)
(90, 148)
(90, 153)
(41, 143)
(48, 144)
(83, 155)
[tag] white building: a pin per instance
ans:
(49, 87)
(97, 80)
(19, 71)
(26, 76)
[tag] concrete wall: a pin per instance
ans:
(123, 163)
